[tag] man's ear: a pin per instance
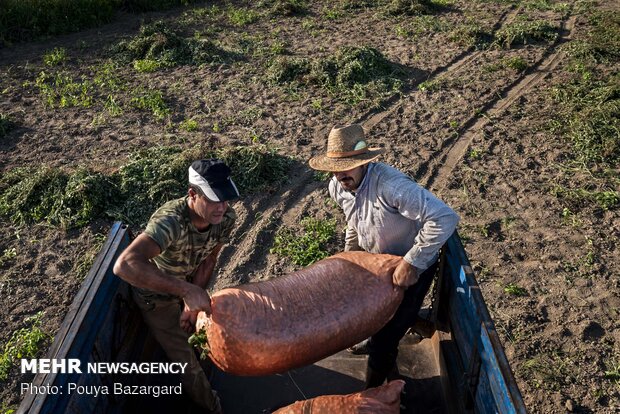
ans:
(191, 193)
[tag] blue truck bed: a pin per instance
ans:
(458, 367)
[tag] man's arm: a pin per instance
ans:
(201, 278)
(438, 223)
(134, 267)
(205, 270)
(350, 240)
(405, 274)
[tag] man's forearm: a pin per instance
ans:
(429, 240)
(134, 271)
(205, 270)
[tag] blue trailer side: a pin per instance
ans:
(473, 365)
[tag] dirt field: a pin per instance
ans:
(470, 123)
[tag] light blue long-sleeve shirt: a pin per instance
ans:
(391, 213)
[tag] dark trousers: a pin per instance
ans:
(383, 346)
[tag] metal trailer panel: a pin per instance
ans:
(487, 384)
(79, 330)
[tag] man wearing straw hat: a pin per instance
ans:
(386, 212)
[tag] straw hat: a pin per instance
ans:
(346, 149)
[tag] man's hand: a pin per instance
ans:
(196, 299)
(405, 275)
(188, 320)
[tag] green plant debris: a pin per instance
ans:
(516, 63)
(22, 20)
(8, 409)
(355, 74)
(251, 45)
(55, 57)
(604, 37)
(612, 373)
(352, 66)
(587, 116)
(278, 48)
(431, 85)
(60, 90)
(583, 266)
(157, 45)
(146, 65)
(483, 229)
(200, 341)
(428, 24)
(287, 7)
(7, 255)
(549, 370)
(54, 196)
(151, 177)
(521, 32)
(255, 167)
(471, 35)
(475, 153)
(602, 42)
(189, 125)
(580, 197)
(317, 104)
(240, 16)
(286, 69)
(545, 5)
(247, 117)
(515, 290)
(103, 88)
(308, 247)
(359, 4)
(212, 11)
(570, 218)
(24, 343)
(113, 107)
(590, 116)
(153, 101)
(106, 78)
(332, 13)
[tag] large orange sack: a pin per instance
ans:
(272, 326)
(381, 400)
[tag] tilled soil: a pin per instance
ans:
(477, 138)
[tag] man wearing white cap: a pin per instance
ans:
(170, 264)
(386, 212)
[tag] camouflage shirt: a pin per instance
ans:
(183, 247)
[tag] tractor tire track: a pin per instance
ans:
(372, 117)
(435, 172)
